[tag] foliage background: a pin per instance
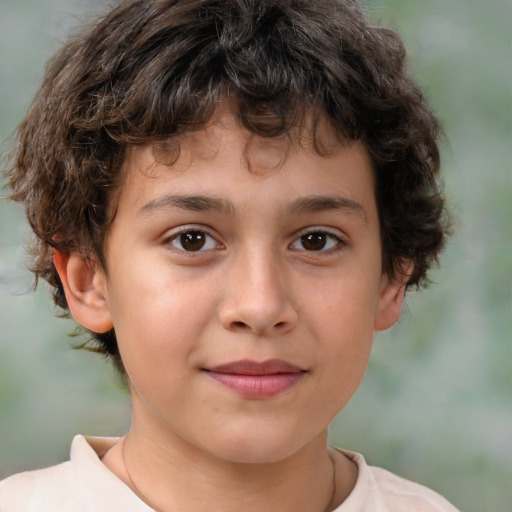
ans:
(436, 403)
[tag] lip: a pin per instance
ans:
(257, 380)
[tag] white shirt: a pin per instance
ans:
(84, 484)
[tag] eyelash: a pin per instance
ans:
(334, 242)
(190, 230)
(208, 242)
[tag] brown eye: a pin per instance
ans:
(193, 241)
(314, 241)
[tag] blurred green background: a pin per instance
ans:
(436, 403)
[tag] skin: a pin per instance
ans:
(254, 291)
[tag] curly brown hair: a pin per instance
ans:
(152, 69)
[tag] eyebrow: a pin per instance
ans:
(198, 203)
(185, 202)
(314, 204)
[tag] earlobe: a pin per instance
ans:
(391, 298)
(85, 289)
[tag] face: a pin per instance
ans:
(244, 300)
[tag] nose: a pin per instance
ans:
(258, 299)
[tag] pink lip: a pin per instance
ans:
(255, 380)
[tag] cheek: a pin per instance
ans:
(342, 307)
(159, 316)
(341, 316)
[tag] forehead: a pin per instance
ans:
(225, 159)
(259, 154)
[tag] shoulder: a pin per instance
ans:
(401, 494)
(83, 484)
(379, 490)
(43, 489)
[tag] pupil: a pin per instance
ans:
(193, 241)
(314, 241)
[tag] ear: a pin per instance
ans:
(391, 297)
(86, 291)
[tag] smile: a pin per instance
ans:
(254, 380)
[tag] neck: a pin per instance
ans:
(300, 482)
(167, 476)
(170, 473)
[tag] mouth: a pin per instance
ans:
(257, 380)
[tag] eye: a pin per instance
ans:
(317, 241)
(192, 240)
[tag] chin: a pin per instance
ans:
(257, 446)
(251, 453)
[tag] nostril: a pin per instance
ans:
(240, 325)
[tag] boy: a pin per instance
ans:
(231, 196)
